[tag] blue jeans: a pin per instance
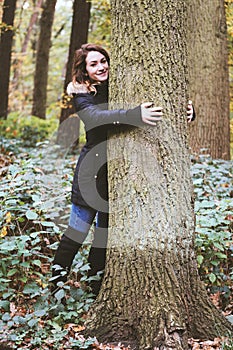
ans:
(80, 222)
(81, 219)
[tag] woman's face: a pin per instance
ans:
(97, 66)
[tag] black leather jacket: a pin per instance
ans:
(90, 185)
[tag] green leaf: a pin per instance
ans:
(31, 288)
(60, 294)
(55, 325)
(85, 267)
(37, 262)
(34, 234)
(21, 219)
(47, 223)
(8, 294)
(212, 277)
(23, 279)
(200, 259)
(6, 317)
(230, 318)
(218, 245)
(31, 215)
(35, 198)
(4, 280)
(198, 181)
(25, 264)
(40, 313)
(12, 272)
(32, 322)
(221, 255)
(5, 304)
(11, 202)
(13, 170)
(47, 205)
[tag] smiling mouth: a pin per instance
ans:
(103, 73)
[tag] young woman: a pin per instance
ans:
(89, 88)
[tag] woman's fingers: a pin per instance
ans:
(153, 117)
(152, 123)
(147, 104)
(150, 106)
(190, 111)
(156, 112)
(150, 113)
(151, 120)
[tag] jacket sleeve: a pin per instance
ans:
(93, 115)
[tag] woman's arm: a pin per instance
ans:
(92, 115)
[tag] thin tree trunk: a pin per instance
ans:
(79, 35)
(5, 53)
(19, 61)
(42, 60)
(209, 78)
(32, 22)
(152, 296)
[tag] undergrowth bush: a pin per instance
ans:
(28, 129)
(213, 185)
(34, 197)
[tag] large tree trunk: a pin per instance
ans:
(5, 53)
(42, 60)
(151, 296)
(79, 34)
(209, 78)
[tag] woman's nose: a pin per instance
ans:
(100, 66)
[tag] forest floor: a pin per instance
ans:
(33, 215)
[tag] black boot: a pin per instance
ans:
(97, 258)
(64, 257)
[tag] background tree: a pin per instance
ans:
(152, 295)
(100, 23)
(78, 36)
(23, 51)
(209, 78)
(7, 32)
(229, 16)
(42, 59)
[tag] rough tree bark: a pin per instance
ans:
(7, 33)
(42, 60)
(152, 296)
(209, 78)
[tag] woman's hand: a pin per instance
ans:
(151, 115)
(190, 112)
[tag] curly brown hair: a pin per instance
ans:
(79, 73)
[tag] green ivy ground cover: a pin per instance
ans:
(35, 202)
(213, 186)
